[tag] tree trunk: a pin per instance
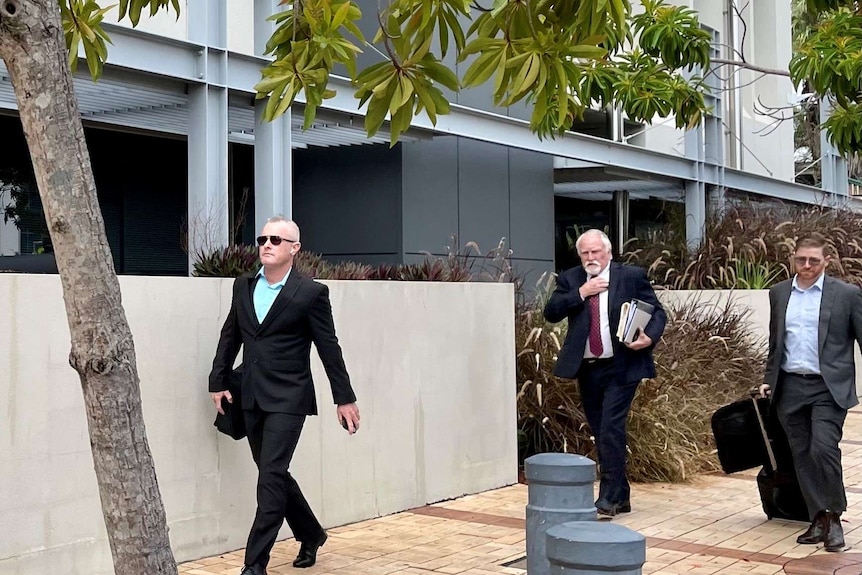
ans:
(32, 44)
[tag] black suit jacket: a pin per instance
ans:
(277, 353)
(625, 282)
(839, 327)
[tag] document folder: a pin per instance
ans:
(634, 317)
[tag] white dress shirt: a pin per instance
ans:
(607, 345)
(802, 322)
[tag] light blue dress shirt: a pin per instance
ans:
(802, 325)
(265, 294)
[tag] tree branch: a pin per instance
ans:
(752, 67)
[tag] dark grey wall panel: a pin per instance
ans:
(531, 196)
(483, 184)
(482, 191)
(430, 194)
(530, 272)
(347, 200)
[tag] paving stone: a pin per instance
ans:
(713, 525)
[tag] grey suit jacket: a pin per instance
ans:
(839, 327)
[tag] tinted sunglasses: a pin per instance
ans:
(801, 261)
(274, 240)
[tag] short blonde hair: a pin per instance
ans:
(291, 223)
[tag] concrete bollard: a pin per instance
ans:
(560, 489)
(593, 548)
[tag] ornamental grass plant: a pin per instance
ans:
(706, 358)
(747, 247)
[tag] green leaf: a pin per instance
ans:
(526, 76)
(423, 92)
(308, 116)
(340, 16)
(440, 74)
(498, 7)
(270, 84)
(374, 116)
(481, 69)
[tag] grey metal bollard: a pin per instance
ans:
(593, 548)
(560, 489)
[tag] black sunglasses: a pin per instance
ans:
(274, 240)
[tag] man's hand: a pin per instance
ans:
(217, 399)
(594, 285)
(765, 390)
(348, 417)
(642, 341)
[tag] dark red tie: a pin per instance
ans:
(596, 347)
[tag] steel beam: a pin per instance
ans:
(788, 191)
(180, 60)
(209, 204)
(273, 150)
(144, 52)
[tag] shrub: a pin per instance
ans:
(230, 261)
(314, 266)
(467, 264)
(747, 247)
(705, 359)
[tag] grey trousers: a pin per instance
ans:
(814, 425)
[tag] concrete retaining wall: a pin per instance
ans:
(433, 366)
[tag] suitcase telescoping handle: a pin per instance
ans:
(755, 393)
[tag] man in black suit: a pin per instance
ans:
(608, 371)
(275, 315)
(814, 322)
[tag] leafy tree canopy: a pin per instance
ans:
(828, 60)
(561, 56)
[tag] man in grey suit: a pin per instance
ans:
(811, 377)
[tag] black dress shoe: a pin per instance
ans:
(252, 570)
(308, 553)
(610, 509)
(816, 532)
(834, 532)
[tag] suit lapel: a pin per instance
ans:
(249, 301)
(613, 282)
(826, 301)
(783, 295)
(294, 280)
(613, 291)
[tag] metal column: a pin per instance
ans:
(273, 157)
(208, 126)
(705, 147)
(620, 220)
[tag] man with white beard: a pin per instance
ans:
(608, 371)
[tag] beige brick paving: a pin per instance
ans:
(713, 525)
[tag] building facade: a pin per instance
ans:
(184, 164)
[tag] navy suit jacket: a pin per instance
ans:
(625, 283)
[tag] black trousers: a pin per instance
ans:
(814, 426)
(607, 399)
(273, 438)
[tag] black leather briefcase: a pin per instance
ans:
(232, 423)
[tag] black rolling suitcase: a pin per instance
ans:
(780, 495)
(747, 435)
